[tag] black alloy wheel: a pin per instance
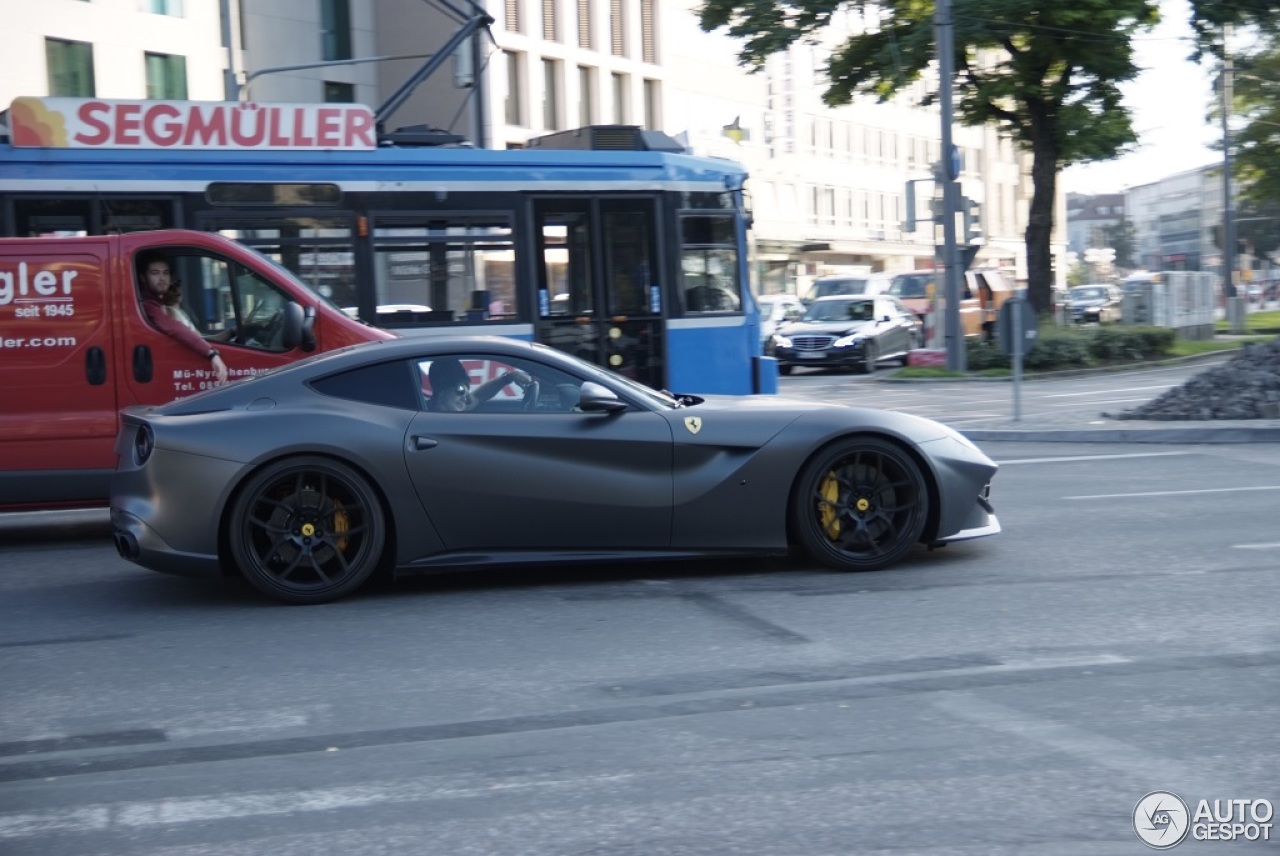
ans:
(307, 530)
(860, 505)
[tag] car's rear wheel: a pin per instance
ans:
(307, 530)
(859, 505)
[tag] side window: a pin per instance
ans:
(226, 301)
(471, 382)
(709, 264)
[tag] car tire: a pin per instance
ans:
(307, 530)
(860, 504)
(784, 369)
(869, 357)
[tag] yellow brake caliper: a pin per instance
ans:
(830, 492)
(341, 524)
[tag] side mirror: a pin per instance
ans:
(595, 398)
(292, 317)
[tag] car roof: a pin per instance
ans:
(847, 298)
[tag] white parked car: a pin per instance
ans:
(776, 310)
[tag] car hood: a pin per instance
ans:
(830, 328)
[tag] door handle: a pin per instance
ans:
(422, 443)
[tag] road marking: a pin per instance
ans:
(1108, 753)
(1105, 391)
(1069, 458)
(141, 814)
(1176, 492)
(1270, 546)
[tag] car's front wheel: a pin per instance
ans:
(859, 505)
(870, 355)
(307, 530)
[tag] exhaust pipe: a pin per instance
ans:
(126, 545)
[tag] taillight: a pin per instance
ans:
(143, 443)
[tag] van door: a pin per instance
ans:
(57, 384)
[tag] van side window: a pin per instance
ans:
(227, 301)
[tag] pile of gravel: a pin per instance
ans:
(1246, 387)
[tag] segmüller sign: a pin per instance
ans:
(95, 123)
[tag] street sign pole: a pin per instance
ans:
(1016, 331)
(952, 274)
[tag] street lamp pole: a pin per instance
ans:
(1228, 212)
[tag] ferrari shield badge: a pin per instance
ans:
(693, 423)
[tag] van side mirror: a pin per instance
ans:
(298, 327)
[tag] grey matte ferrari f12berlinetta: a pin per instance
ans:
(423, 454)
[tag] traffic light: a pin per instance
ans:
(972, 220)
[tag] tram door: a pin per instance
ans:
(599, 293)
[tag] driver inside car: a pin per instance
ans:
(451, 390)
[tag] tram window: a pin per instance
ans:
(709, 264)
(318, 250)
(106, 215)
(444, 269)
(629, 253)
(41, 218)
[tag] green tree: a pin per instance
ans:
(1123, 238)
(1046, 73)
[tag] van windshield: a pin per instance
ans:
(911, 285)
(832, 287)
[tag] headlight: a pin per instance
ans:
(780, 341)
(846, 341)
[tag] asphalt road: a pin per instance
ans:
(1015, 695)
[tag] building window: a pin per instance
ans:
(551, 94)
(648, 31)
(70, 67)
(515, 86)
(550, 21)
(586, 95)
(652, 105)
(512, 20)
(335, 29)
(339, 93)
(166, 77)
(162, 7)
(619, 98)
(585, 39)
(618, 27)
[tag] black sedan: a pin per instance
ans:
(1094, 304)
(847, 332)
(417, 454)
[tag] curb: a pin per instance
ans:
(1198, 434)
(1085, 372)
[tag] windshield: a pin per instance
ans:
(1088, 292)
(841, 310)
(911, 285)
(831, 287)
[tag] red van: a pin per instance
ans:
(76, 346)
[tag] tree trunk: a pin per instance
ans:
(1039, 234)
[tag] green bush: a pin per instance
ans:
(1073, 347)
